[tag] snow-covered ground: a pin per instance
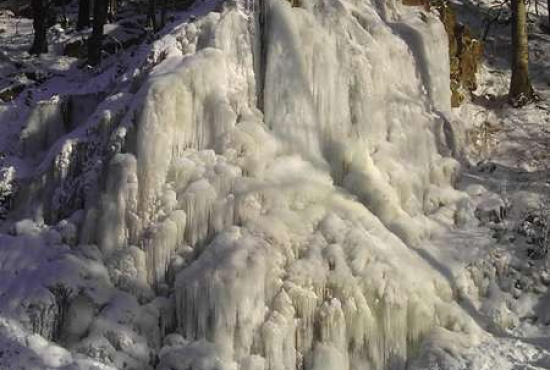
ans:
(270, 187)
(505, 276)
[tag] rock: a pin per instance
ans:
(7, 14)
(174, 339)
(11, 93)
(37, 76)
(75, 49)
(545, 278)
(465, 51)
(79, 318)
(463, 212)
(491, 209)
(8, 188)
(424, 3)
(475, 189)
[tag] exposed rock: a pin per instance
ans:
(425, 3)
(11, 92)
(465, 51)
(75, 49)
(131, 34)
(8, 188)
(491, 209)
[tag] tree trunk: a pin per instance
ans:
(548, 8)
(112, 10)
(521, 91)
(83, 21)
(40, 43)
(94, 44)
(153, 15)
(163, 13)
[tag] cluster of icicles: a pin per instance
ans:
(277, 177)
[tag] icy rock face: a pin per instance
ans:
(117, 221)
(358, 90)
(279, 168)
(45, 124)
(7, 187)
(69, 170)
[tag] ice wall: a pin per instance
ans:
(282, 163)
(348, 88)
(46, 124)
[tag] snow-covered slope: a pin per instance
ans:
(263, 198)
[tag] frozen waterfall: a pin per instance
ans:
(274, 180)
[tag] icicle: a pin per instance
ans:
(223, 299)
(118, 204)
(44, 126)
(198, 202)
(315, 276)
(186, 109)
(162, 244)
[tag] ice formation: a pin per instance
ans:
(273, 181)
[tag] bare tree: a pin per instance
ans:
(94, 43)
(83, 15)
(113, 5)
(521, 91)
(152, 15)
(39, 23)
(64, 18)
(164, 13)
